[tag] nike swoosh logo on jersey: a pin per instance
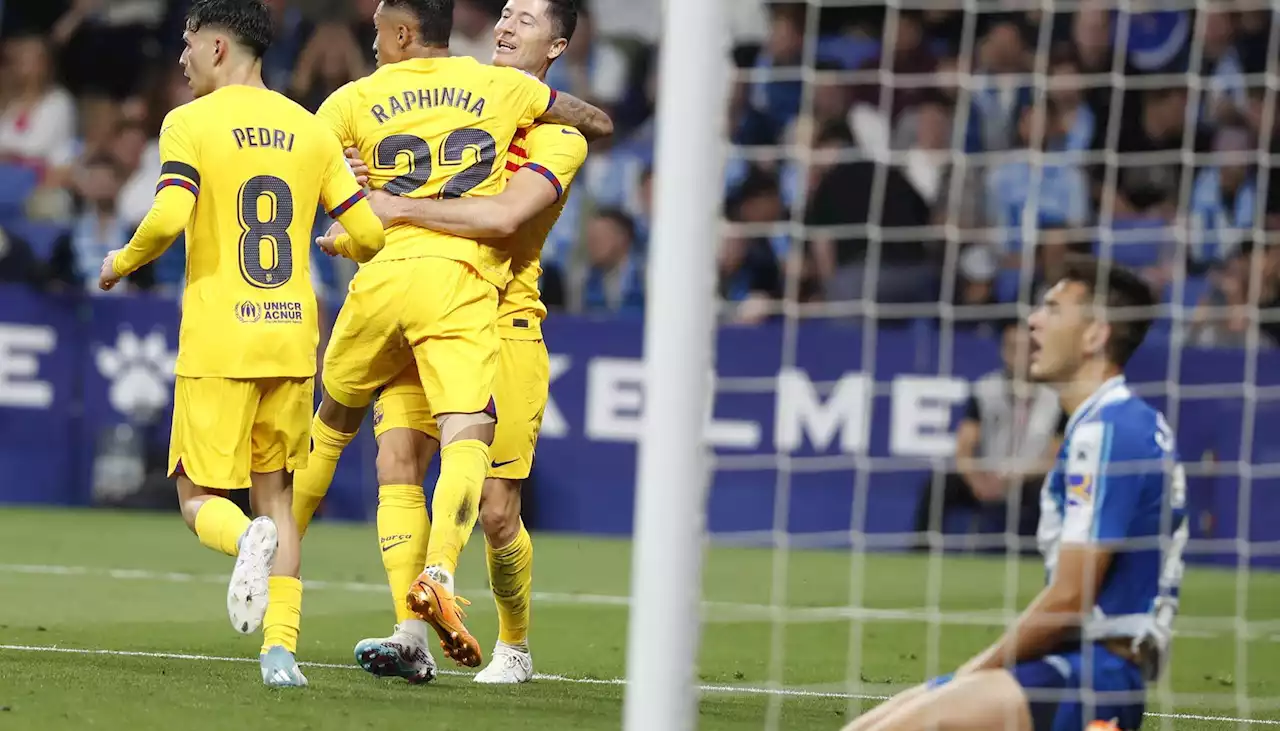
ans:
(390, 546)
(496, 465)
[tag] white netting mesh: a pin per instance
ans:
(918, 174)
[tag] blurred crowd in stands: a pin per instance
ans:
(909, 165)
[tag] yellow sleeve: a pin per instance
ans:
(336, 114)
(176, 195)
(339, 190)
(529, 97)
(557, 153)
(346, 201)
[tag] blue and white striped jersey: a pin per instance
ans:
(1118, 483)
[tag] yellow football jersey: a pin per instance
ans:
(556, 152)
(437, 127)
(259, 165)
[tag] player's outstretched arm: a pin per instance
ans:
(571, 111)
(481, 217)
(167, 218)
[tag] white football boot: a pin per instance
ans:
(280, 669)
(247, 593)
(402, 655)
(508, 666)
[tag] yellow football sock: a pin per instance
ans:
(455, 505)
(219, 525)
(403, 530)
(311, 483)
(511, 578)
(284, 612)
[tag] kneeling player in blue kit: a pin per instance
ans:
(1112, 531)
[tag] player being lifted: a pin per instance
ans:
(430, 126)
(1112, 532)
(543, 161)
(243, 171)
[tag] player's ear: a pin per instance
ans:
(1096, 334)
(404, 37)
(557, 48)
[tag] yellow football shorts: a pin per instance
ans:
(520, 392)
(225, 428)
(435, 312)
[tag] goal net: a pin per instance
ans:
(903, 184)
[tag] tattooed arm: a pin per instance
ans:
(571, 111)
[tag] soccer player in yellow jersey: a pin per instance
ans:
(243, 171)
(430, 126)
(542, 163)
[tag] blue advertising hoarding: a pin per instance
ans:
(836, 432)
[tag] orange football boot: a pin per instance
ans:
(438, 607)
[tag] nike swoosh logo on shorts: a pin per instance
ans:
(496, 465)
(390, 546)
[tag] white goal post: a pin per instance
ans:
(674, 467)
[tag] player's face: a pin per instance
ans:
(1061, 330)
(525, 38)
(388, 35)
(198, 60)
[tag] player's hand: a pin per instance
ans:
(107, 277)
(358, 166)
(985, 485)
(329, 242)
(386, 207)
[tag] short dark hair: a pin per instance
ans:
(248, 21)
(435, 19)
(757, 183)
(1123, 290)
(564, 17)
(620, 219)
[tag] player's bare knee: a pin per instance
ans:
(345, 419)
(500, 511)
(403, 455)
(191, 497)
(272, 494)
(455, 427)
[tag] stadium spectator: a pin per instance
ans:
(1076, 121)
(1151, 121)
(1006, 443)
(911, 64)
(78, 254)
(105, 46)
(18, 265)
(1003, 59)
(773, 104)
(612, 281)
(1224, 99)
(975, 290)
(592, 68)
(1223, 200)
(473, 29)
(841, 244)
(330, 59)
(38, 119)
(749, 276)
(1023, 192)
(1223, 317)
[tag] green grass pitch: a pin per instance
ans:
(135, 607)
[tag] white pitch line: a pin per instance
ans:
(740, 689)
(714, 612)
